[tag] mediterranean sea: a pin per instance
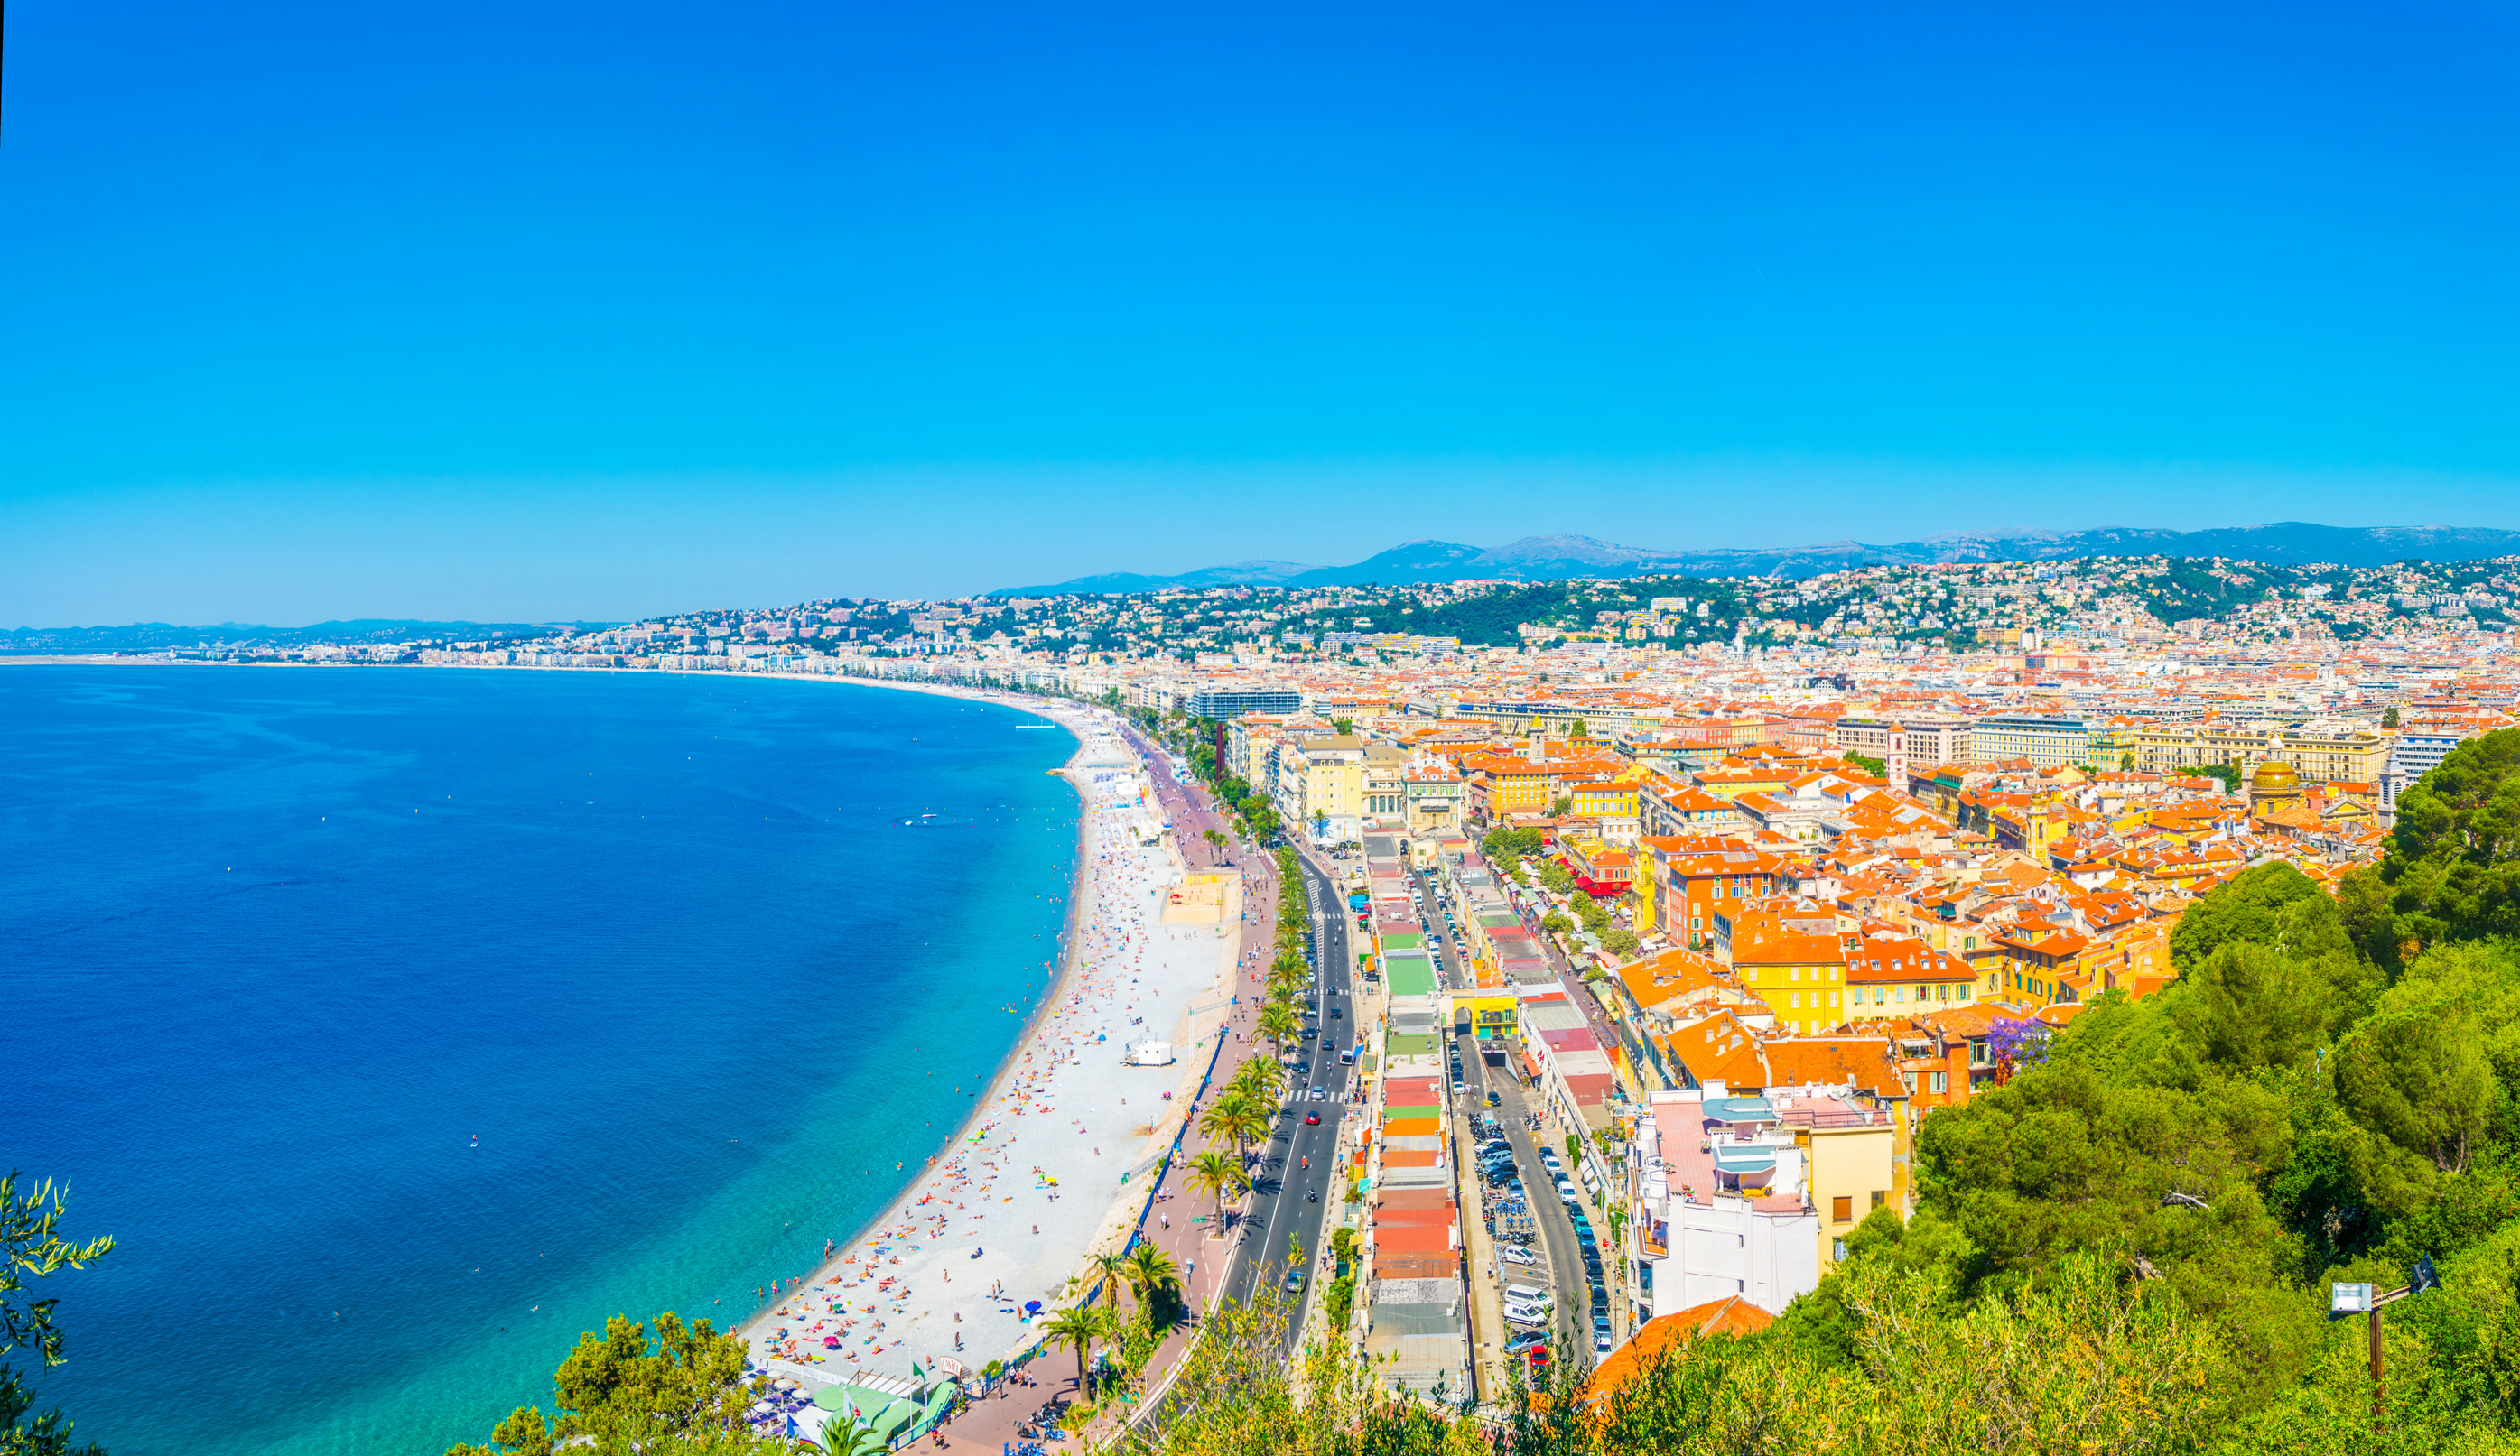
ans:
(280, 944)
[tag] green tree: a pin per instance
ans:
(1154, 1274)
(2246, 910)
(1561, 805)
(1236, 1118)
(1279, 1024)
(31, 1248)
(617, 1395)
(851, 1438)
(1077, 1328)
(1217, 1173)
(1505, 843)
(2453, 863)
(2389, 717)
(1259, 1077)
(1109, 1268)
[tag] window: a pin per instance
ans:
(1880, 1196)
(1941, 1081)
(1795, 1003)
(1841, 1209)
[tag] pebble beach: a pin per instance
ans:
(1054, 1163)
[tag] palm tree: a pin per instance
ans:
(1280, 1023)
(1110, 1268)
(1079, 1327)
(851, 1438)
(1152, 1271)
(1214, 1172)
(1236, 1116)
(1259, 1077)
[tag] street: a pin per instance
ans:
(1281, 1207)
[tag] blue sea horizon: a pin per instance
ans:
(284, 943)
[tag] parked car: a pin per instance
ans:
(1513, 1255)
(1601, 1343)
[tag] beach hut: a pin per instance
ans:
(1148, 1053)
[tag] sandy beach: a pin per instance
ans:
(1056, 1163)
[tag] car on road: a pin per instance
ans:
(1329, 1044)
(1601, 1343)
(1312, 1120)
(1567, 1193)
(1513, 1255)
(1321, 1094)
(1520, 1343)
(1302, 1066)
(1549, 1159)
(1295, 1281)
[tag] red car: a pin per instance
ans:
(1312, 1120)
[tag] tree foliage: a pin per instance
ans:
(2452, 873)
(31, 1248)
(618, 1395)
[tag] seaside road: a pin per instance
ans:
(1281, 1209)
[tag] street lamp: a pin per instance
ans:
(2346, 1301)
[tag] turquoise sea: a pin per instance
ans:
(279, 944)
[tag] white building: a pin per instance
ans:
(1723, 1204)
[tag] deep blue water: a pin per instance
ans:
(277, 943)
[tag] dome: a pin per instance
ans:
(2274, 773)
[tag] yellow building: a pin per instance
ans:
(2318, 758)
(1599, 800)
(1320, 785)
(1854, 1169)
(1802, 977)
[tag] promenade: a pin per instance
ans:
(1208, 1256)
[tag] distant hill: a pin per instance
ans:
(153, 637)
(1552, 558)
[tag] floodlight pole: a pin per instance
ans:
(2391, 1297)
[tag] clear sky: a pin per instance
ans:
(520, 311)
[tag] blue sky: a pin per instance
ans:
(530, 310)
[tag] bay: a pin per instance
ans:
(278, 945)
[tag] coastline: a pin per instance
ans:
(1199, 981)
(1197, 964)
(1079, 887)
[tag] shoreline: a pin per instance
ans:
(1078, 890)
(1203, 982)
(1190, 959)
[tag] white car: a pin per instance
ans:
(1513, 1255)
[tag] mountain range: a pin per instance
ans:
(1555, 557)
(151, 636)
